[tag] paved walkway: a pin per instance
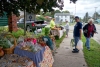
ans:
(65, 57)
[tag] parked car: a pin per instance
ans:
(31, 25)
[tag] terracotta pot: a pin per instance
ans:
(1, 52)
(42, 43)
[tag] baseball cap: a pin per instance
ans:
(76, 17)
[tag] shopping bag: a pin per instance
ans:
(79, 45)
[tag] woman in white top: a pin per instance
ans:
(67, 28)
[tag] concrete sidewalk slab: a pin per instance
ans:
(65, 58)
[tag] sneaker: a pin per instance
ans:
(75, 51)
(88, 49)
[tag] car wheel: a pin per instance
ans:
(28, 29)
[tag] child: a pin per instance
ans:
(67, 28)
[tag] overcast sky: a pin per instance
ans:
(82, 6)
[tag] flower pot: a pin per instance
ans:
(1, 52)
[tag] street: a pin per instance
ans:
(97, 36)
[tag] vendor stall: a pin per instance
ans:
(56, 30)
(33, 50)
(36, 57)
(14, 60)
(57, 33)
(47, 58)
(29, 52)
(42, 58)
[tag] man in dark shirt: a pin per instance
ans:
(77, 33)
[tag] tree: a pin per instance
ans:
(66, 11)
(12, 7)
(48, 14)
(86, 17)
(31, 6)
(40, 18)
(96, 15)
(57, 11)
(74, 1)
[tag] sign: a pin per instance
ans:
(30, 17)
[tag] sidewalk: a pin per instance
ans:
(65, 57)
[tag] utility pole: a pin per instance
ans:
(75, 9)
(95, 13)
(24, 21)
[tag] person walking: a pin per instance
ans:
(67, 28)
(52, 23)
(77, 33)
(88, 31)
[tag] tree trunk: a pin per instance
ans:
(12, 23)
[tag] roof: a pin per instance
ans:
(62, 14)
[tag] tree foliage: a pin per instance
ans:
(57, 11)
(40, 18)
(86, 17)
(74, 1)
(48, 14)
(51, 14)
(66, 11)
(96, 15)
(33, 6)
(8, 6)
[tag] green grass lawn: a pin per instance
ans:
(58, 41)
(92, 57)
(71, 23)
(64, 23)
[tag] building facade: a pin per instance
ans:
(62, 17)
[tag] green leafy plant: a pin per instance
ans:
(2, 29)
(40, 18)
(19, 33)
(5, 43)
(47, 31)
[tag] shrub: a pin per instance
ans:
(19, 33)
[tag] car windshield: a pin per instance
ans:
(21, 20)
